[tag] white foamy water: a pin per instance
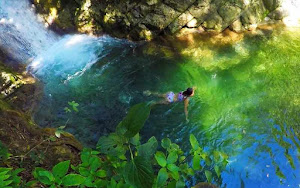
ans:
(70, 55)
(22, 33)
(292, 9)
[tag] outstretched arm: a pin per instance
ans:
(186, 104)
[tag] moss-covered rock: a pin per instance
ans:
(145, 20)
(29, 144)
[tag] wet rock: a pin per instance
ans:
(278, 14)
(179, 22)
(237, 26)
(180, 5)
(272, 4)
(145, 20)
(26, 140)
(205, 185)
(213, 22)
(229, 13)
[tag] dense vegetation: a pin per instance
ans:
(121, 160)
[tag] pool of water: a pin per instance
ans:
(246, 104)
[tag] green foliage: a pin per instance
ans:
(59, 131)
(148, 149)
(9, 177)
(134, 121)
(72, 107)
(58, 177)
(4, 155)
(122, 161)
(138, 173)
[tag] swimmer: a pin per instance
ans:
(171, 97)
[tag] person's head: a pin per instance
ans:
(189, 92)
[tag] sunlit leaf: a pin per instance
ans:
(208, 175)
(161, 158)
(172, 157)
(194, 142)
(61, 169)
(196, 162)
(218, 171)
(162, 177)
(73, 180)
(173, 167)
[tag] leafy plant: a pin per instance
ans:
(122, 161)
(58, 177)
(9, 177)
(4, 155)
(72, 106)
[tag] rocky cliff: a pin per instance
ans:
(146, 19)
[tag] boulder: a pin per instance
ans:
(237, 26)
(229, 13)
(179, 22)
(213, 21)
(272, 4)
(180, 5)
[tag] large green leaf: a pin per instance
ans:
(135, 120)
(161, 158)
(5, 183)
(4, 177)
(208, 175)
(112, 145)
(180, 184)
(45, 177)
(84, 171)
(95, 163)
(73, 180)
(101, 173)
(194, 142)
(135, 140)
(148, 149)
(196, 162)
(61, 169)
(165, 143)
(139, 173)
(162, 177)
(172, 157)
(173, 167)
(218, 170)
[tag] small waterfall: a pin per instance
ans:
(22, 32)
(71, 56)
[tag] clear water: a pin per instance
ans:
(246, 104)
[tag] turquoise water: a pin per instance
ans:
(246, 103)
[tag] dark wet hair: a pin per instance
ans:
(188, 92)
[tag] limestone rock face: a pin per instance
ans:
(146, 19)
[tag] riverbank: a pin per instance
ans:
(28, 144)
